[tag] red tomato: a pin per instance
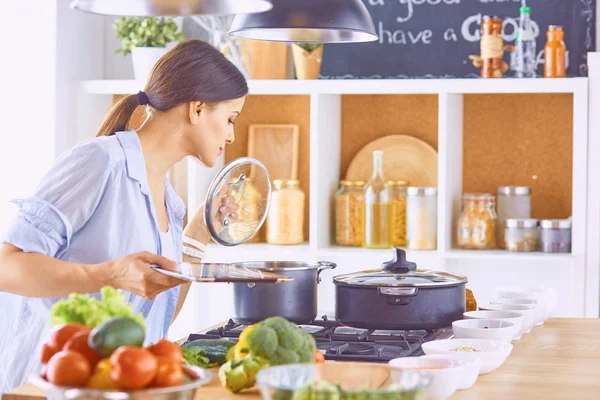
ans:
(169, 373)
(48, 350)
(132, 367)
(79, 343)
(164, 348)
(62, 333)
(68, 368)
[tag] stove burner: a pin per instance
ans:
(343, 343)
(359, 349)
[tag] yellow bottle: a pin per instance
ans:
(378, 207)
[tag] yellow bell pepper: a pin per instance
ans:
(100, 378)
(241, 348)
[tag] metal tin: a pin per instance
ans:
(514, 190)
(522, 223)
(555, 224)
(421, 191)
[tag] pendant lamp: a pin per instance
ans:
(310, 21)
(152, 8)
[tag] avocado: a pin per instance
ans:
(114, 333)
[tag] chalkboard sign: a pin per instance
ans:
(434, 38)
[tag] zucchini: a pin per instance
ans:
(215, 349)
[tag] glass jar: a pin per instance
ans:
(555, 235)
(285, 221)
(421, 218)
(477, 222)
(398, 212)
(350, 213)
(377, 207)
(491, 47)
(513, 202)
(521, 234)
(555, 53)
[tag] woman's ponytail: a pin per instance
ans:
(119, 115)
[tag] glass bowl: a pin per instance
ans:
(337, 381)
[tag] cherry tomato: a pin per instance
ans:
(319, 356)
(68, 368)
(79, 343)
(164, 348)
(169, 373)
(62, 333)
(132, 367)
(48, 350)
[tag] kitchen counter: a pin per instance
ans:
(559, 360)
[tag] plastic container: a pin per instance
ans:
(555, 236)
(477, 222)
(350, 213)
(513, 202)
(285, 221)
(421, 218)
(398, 212)
(522, 235)
(526, 53)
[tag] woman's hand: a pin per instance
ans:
(133, 273)
(196, 227)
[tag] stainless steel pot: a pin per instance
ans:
(296, 301)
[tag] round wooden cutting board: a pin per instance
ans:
(404, 158)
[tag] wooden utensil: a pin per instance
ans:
(276, 146)
(404, 158)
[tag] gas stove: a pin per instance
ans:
(343, 343)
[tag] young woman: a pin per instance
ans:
(106, 211)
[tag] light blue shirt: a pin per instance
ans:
(94, 205)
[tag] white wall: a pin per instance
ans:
(28, 99)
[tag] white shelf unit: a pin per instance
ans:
(485, 269)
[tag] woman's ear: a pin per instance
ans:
(194, 111)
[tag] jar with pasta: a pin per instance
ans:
(285, 221)
(477, 222)
(398, 212)
(349, 213)
(248, 212)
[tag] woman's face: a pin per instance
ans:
(213, 128)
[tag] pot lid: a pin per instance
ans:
(248, 182)
(400, 272)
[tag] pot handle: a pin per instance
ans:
(323, 265)
(399, 296)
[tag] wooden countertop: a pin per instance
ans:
(559, 360)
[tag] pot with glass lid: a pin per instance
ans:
(399, 297)
(255, 296)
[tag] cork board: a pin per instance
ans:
(368, 117)
(521, 139)
(277, 110)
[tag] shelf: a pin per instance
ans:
(369, 86)
(258, 252)
(497, 255)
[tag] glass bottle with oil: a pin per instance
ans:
(378, 198)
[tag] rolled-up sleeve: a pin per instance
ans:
(64, 201)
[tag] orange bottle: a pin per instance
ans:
(491, 47)
(555, 53)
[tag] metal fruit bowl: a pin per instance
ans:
(199, 376)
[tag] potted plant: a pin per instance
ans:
(307, 59)
(147, 39)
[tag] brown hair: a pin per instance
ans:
(192, 71)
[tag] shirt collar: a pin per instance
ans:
(134, 158)
(136, 169)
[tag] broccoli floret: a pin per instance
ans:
(278, 341)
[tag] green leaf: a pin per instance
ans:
(145, 32)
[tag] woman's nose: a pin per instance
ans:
(231, 138)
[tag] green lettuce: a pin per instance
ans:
(88, 310)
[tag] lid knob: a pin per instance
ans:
(399, 264)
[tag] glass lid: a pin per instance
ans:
(400, 272)
(237, 201)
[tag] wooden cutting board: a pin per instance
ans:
(404, 158)
(276, 146)
(266, 60)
